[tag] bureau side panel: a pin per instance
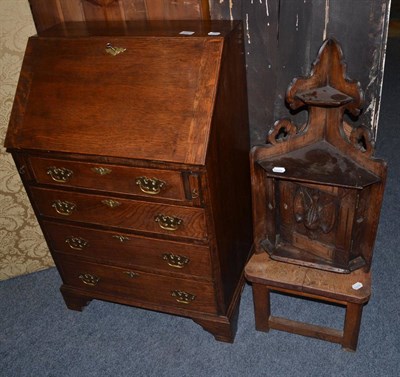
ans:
(228, 170)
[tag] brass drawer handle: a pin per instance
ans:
(114, 51)
(111, 203)
(131, 274)
(63, 207)
(89, 279)
(183, 297)
(121, 238)
(168, 222)
(60, 175)
(101, 171)
(152, 186)
(76, 243)
(176, 261)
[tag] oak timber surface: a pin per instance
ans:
(262, 269)
(136, 164)
(97, 100)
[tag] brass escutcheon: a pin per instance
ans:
(183, 297)
(76, 243)
(89, 279)
(168, 222)
(60, 175)
(111, 203)
(152, 186)
(101, 171)
(121, 238)
(176, 261)
(63, 207)
(114, 51)
(131, 274)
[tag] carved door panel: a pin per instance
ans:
(316, 218)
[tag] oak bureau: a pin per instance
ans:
(132, 142)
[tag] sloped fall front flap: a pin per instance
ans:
(153, 98)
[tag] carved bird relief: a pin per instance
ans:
(315, 210)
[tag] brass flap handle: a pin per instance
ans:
(60, 175)
(170, 223)
(152, 186)
(114, 51)
(183, 297)
(176, 261)
(89, 279)
(76, 243)
(63, 207)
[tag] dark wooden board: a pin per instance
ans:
(283, 38)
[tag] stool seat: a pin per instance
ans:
(268, 275)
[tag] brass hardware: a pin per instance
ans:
(63, 207)
(192, 185)
(89, 279)
(195, 194)
(76, 243)
(61, 175)
(177, 261)
(101, 171)
(152, 186)
(131, 274)
(121, 238)
(168, 222)
(111, 203)
(114, 51)
(183, 297)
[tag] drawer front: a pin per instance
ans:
(128, 249)
(122, 179)
(138, 285)
(122, 213)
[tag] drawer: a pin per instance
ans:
(122, 213)
(138, 285)
(128, 249)
(166, 184)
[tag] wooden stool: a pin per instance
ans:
(268, 275)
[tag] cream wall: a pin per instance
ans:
(22, 246)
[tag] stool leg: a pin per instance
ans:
(262, 309)
(352, 324)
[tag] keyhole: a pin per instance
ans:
(282, 134)
(362, 143)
